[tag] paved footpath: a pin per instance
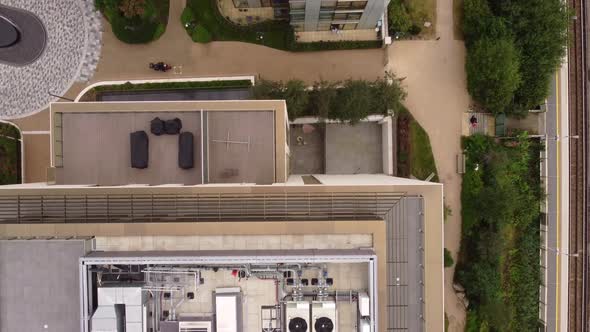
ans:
(434, 72)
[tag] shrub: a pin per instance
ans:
(201, 35)
(448, 258)
(493, 73)
(160, 29)
(399, 19)
(415, 30)
(187, 16)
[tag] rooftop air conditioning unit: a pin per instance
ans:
(297, 316)
(323, 316)
(202, 326)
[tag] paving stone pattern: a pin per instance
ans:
(74, 32)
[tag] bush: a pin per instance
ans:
(499, 258)
(350, 101)
(187, 16)
(399, 19)
(493, 73)
(538, 30)
(201, 35)
(135, 21)
(448, 258)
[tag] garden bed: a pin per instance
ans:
(204, 23)
(136, 21)
(10, 155)
(92, 94)
(415, 156)
(406, 18)
(499, 258)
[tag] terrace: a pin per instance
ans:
(91, 144)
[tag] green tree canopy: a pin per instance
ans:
(493, 73)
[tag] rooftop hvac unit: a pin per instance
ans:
(297, 316)
(323, 316)
(195, 326)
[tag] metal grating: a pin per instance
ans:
(128, 208)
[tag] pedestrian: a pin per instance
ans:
(437, 38)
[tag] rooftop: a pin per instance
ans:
(234, 142)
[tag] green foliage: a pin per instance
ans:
(499, 262)
(493, 73)
(91, 94)
(160, 29)
(200, 35)
(349, 101)
(422, 162)
(275, 34)
(538, 30)
(399, 18)
(334, 46)
(187, 16)
(448, 258)
(9, 154)
(135, 21)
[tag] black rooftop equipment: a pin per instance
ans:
(185, 150)
(139, 149)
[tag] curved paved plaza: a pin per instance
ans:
(71, 54)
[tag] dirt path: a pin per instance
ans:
(435, 81)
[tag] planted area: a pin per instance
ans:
(350, 100)
(353, 100)
(136, 21)
(406, 18)
(204, 23)
(414, 152)
(499, 258)
(9, 154)
(513, 49)
(92, 94)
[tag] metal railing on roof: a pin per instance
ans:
(128, 208)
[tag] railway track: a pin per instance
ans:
(579, 299)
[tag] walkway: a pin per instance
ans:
(437, 97)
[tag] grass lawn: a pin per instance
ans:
(414, 152)
(275, 34)
(421, 159)
(407, 17)
(9, 155)
(148, 23)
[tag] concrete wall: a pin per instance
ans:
(387, 145)
(312, 14)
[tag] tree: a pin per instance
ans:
(479, 22)
(293, 92)
(354, 101)
(297, 98)
(493, 73)
(322, 97)
(387, 95)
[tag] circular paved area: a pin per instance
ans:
(73, 47)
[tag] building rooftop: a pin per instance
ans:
(234, 142)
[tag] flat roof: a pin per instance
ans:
(417, 223)
(234, 142)
(39, 284)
